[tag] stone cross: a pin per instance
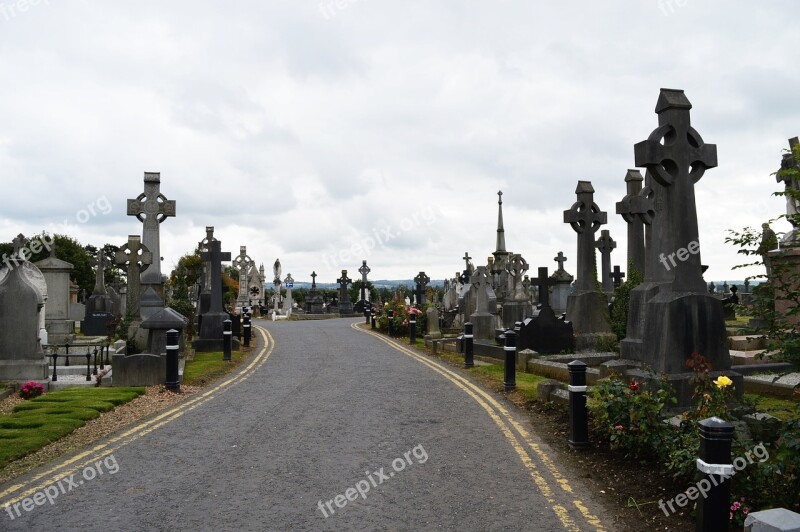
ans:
(214, 257)
(585, 217)
(480, 280)
(364, 270)
(137, 258)
(343, 281)
(628, 208)
(242, 263)
(516, 268)
(616, 276)
(422, 281)
(469, 267)
(605, 244)
(205, 245)
(560, 259)
(151, 208)
(543, 281)
(676, 165)
(19, 244)
(313, 280)
(100, 277)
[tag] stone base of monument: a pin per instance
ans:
(212, 345)
(588, 312)
(514, 311)
(546, 334)
(96, 324)
(23, 370)
(594, 341)
(60, 331)
(684, 384)
(483, 326)
(143, 369)
(687, 323)
(785, 265)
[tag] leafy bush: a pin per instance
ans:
(622, 296)
(630, 417)
(30, 390)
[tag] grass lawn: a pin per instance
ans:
(38, 422)
(207, 367)
(783, 409)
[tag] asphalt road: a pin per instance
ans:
(328, 428)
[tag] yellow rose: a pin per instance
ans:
(723, 382)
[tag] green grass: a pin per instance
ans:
(780, 408)
(526, 382)
(207, 367)
(35, 423)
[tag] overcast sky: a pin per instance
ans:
(311, 130)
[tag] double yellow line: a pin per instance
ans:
(72, 465)
(528, 450)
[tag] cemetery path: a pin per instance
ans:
(325, 428)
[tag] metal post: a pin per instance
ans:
(372, 318)
(391, 323)
(468, 361)
(246, 327)
(715, 462)
(412, 329)
(55, 364)
(227, 337)
(510, 370)
(578, 418)
(172, 382)
(102, 364)
(66, 363)
(366, 315)
(108, 353)
(94, 371)
(517, 327)
(88, 364)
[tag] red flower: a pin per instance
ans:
(633, 385)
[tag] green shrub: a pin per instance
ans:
(630, 417)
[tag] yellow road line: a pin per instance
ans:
(504, 421)
(79, 461)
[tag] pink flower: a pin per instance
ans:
(619, 427)
(633, 385)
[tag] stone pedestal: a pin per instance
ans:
(432, 316)
(785, 267)
(483, 325)
(158, 324)
(560, 291)
(588, 312)
(514, 311)
(21, 355)
(56, 274)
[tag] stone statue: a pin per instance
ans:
(789, 174)
(769, 241)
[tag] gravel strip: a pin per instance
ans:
(155, 399)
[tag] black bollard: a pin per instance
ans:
(578, 417)
(412, 329)
(246, 329)
(468, 361)
(366, 315)
(517, 327)
(372, 318)
(713, 509)
(391, 323)
(510, 369)
(172, 382)
(227, 338)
